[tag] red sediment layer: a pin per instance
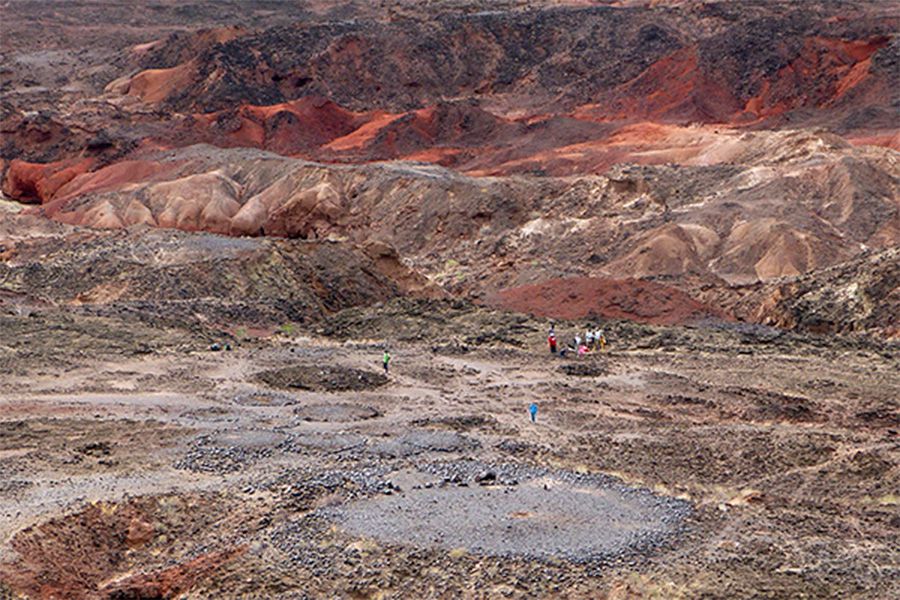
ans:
(295, 127)
(679, 87)
(35, 183)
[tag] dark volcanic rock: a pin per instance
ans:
(336, 413)
(325, 378)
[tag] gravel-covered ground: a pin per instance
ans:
(721, 462)
(520, 511)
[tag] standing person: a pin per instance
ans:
(589, 338)
(551, 339)
(386, 360)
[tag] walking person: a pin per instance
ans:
(386, 360)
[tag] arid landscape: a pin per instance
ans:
(216, 217)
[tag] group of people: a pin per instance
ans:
(594, 339)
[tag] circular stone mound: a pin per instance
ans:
(245, 439)
(327, 443)
(548, 516)
(229, 451)
(438, 441)
(581, 369)
(335, 413)
(322, 379)
(264, 398)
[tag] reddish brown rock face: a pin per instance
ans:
(761, 135)
(288, 290)
(34, 183)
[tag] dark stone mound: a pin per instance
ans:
(323, 443)
(451, 349)
(880, 415)
(457, 423)
(229, 451)
(769, 405)
(584, 369)
(264, 398)
(322, 379)
(336, 413)
(439, 441)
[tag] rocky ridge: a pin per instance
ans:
(625, 140)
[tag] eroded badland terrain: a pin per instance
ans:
(216, 216)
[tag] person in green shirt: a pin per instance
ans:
(386, 360)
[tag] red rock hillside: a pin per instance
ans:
(714, 145)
